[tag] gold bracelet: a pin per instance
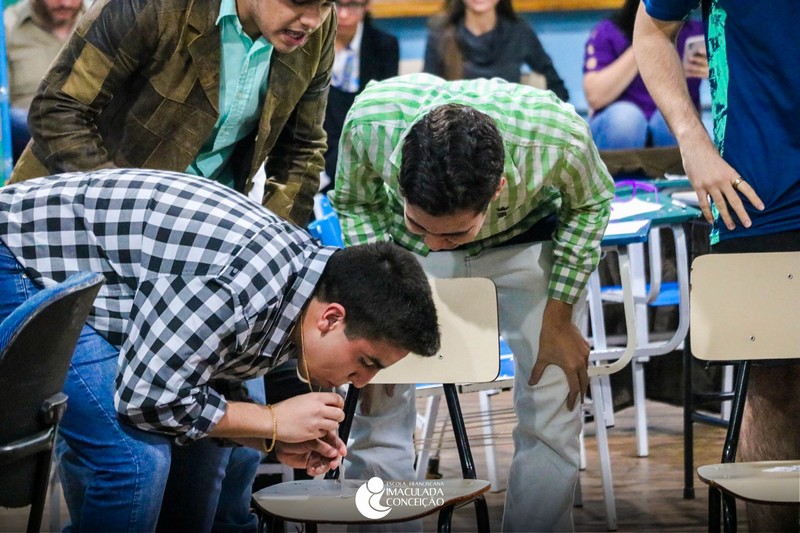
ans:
(274, 432)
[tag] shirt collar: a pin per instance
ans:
(227, 8)
(355, 44)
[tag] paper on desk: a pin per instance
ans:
(624, 228)
(632, 207)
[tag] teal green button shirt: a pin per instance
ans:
(551, 165)
(243, 83)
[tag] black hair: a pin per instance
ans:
(452, 161)
(455, 10)
(624, 17)
(385, 294)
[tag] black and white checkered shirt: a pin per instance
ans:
(203, 286)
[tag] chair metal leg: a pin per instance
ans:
(482, 514)
(460, 431)
(713, 510)
(605, 456)
(465, 455)
(445, 519)
(737, 413)
(642, 447)
(42, 479)
(488, 433)
(728, 513)
(688, 422)
(350, 402)
(55, 496)
(732, 440)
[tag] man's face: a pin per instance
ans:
(57, 12)
(350, 13)
(443, 232)
(335, 360)
(286, 24)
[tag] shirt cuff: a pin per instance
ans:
(214, 409)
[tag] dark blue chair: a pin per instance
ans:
(37, 341)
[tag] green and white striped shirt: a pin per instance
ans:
(551, 165)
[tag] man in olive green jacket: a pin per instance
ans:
(138, 85)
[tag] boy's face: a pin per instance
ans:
(286, 24)
(335, 360)
(443, 232)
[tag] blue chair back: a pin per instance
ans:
(326, 228)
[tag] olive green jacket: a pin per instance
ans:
(138, 86)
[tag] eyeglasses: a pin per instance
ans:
(352, 6)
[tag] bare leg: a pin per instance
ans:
(770, 431)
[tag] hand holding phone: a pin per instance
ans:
(695, 60)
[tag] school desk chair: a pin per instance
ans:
(746, 307)
(36, 344)
(467, 309)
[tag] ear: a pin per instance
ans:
(331, 317)
(499, 188)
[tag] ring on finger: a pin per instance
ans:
(735, 184)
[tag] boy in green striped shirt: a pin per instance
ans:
(489, 179)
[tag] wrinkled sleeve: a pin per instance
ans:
(297, 158)
(180, 332)
(112, 41)
(586, 192)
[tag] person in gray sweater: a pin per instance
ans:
(475, 39)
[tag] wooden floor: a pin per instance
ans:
(648, 490)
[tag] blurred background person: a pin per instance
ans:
(622, 112)
(35, 32)
(363, 53)
(487, 39)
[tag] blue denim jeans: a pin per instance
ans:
(233, 509)
(622, 125)
(114, 475)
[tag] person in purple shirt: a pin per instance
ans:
(622, 112)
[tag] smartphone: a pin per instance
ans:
(695, 45)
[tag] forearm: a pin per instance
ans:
(603, 87)
(557, 312)
(244, 421)
(65, 133)
(662, 72)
